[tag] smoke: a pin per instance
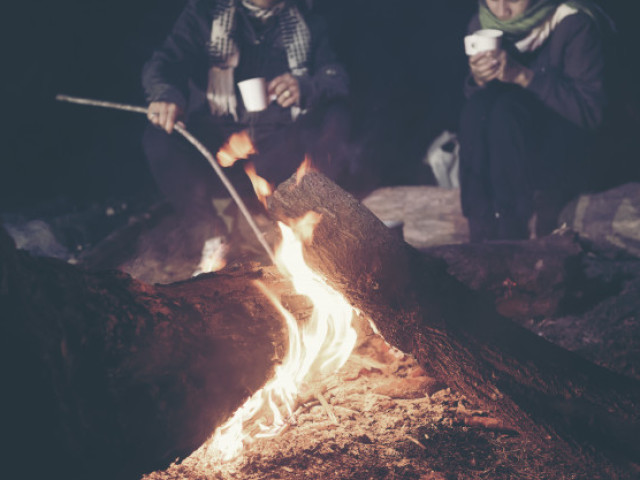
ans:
(37, 237)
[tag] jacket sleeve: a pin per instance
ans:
(470, 86)
(576, 88)
(165, 76)
(327, 79)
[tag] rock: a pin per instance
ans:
(432, 215)
(609, 218)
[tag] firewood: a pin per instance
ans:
(110, 377)
(327, 408)
(413, 440)
(107, 377)
(457, 335)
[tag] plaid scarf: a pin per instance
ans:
(224, 54)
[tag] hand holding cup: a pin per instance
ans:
(488, 61)
(285, 90)
(484, 48)
(484, 40)
(256, 94)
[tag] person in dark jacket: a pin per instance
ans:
(532, 105)
(193, 78)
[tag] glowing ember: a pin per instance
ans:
(237, 147)
(319, 347)
(262, 188)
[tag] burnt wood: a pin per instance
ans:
(539, 389)
(108, 377)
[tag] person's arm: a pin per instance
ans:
(165, 76)
(576, 89)
(470, 85)
(327, 79)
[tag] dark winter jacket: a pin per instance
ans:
(568, 70)
(178, 71)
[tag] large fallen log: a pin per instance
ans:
(533, 386)
(107, 377)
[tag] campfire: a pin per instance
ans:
(322, 390)
(377, 394)
(135, 375)
(319, 347)
(316, 348)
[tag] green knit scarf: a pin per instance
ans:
(537, 13)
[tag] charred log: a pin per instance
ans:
(541, 390)
(107, 377)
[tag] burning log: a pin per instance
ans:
(540, 390)
(107, 377)
(118, 376)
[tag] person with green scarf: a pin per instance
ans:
(531, 108)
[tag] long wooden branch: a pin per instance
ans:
(180, 128)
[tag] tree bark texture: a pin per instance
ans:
(107, 377)
(533, 386)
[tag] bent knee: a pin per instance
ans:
(511, 109)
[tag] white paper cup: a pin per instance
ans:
(254, 94)
(482, 41)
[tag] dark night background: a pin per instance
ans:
(405, 59)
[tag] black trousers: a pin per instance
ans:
(187, 180)
(512, 145)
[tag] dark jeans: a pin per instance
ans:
(511, 145)
(187, 180)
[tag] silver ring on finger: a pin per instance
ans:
(287, 94)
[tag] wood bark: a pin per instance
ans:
(533, 386)
(107, 377)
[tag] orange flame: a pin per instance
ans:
(237, 147)
(317, 348)
(304, 226)
(213, 257)
(262, 188)
(305, 167)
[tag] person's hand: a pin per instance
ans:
(484, 66)
(498, 65)
(510, 71)
(285, 90)
(164, 115)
